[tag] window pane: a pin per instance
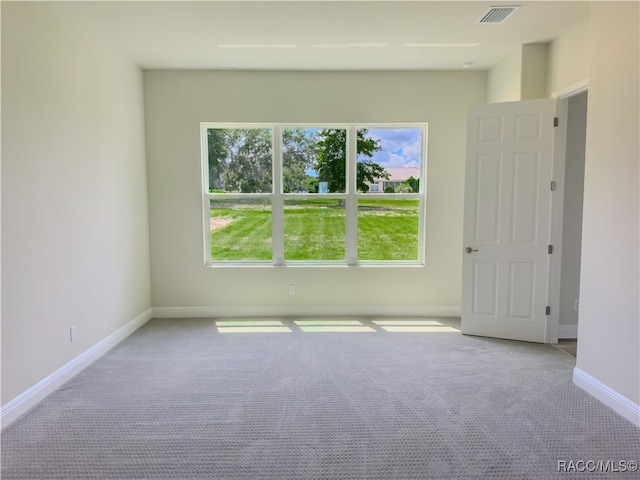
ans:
(314, 229)
(299, 160)
(314, 160)
(240, 228)
(389, 160)
(388, 229)
(240, 160)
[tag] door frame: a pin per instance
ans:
(557, 204)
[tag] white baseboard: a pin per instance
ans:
(567, 331)
(608, 396)
(288, 311)
(23, 402)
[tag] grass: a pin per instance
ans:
(388, 232)
(247, 236)
(315, 230)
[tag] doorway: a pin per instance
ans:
(502, 294)
(573, 190)
(506, 230)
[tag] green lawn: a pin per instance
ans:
(315, 230)
(388, 230)
(247, 235)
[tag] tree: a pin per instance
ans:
(312, 184)
(298, 154)
(240, 160)
(250, 170)
(332, 159)
(217, 143)
(410, 185)
(368, 172)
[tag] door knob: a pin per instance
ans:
(470, 250)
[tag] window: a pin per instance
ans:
(313, 194)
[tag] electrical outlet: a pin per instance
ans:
(576, 305)
(292, 289)
(73, 333)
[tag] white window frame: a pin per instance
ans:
(277, 197)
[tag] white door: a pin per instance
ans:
(506, 220)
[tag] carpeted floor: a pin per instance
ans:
(181, 400)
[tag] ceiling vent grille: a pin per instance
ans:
(497, 14)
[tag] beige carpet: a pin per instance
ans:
(181, 400)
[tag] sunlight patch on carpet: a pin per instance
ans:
(414, 326)
(337, 322)
(407, 322)
(249, 323)
(336, 328)
(418, 328)
(253, 329)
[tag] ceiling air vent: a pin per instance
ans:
(498, 14)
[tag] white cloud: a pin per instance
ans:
(413, 150)
(396, 161)
(412, 164)
(401, 147)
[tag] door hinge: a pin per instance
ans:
(548, 311)
(556, 121)
(550, 249)
(553, 186)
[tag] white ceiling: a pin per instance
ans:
(321, 35)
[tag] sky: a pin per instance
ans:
(401, 147)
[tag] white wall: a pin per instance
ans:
(568, 58)
(74, 200)
(533, 81)
(572, 217)
(609, 326)
(177, 101)
(504, 79)
(521, 75)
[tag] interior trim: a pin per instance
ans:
(302, 311)
(612, 399)
(28, 399)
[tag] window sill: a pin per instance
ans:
(311, 264)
